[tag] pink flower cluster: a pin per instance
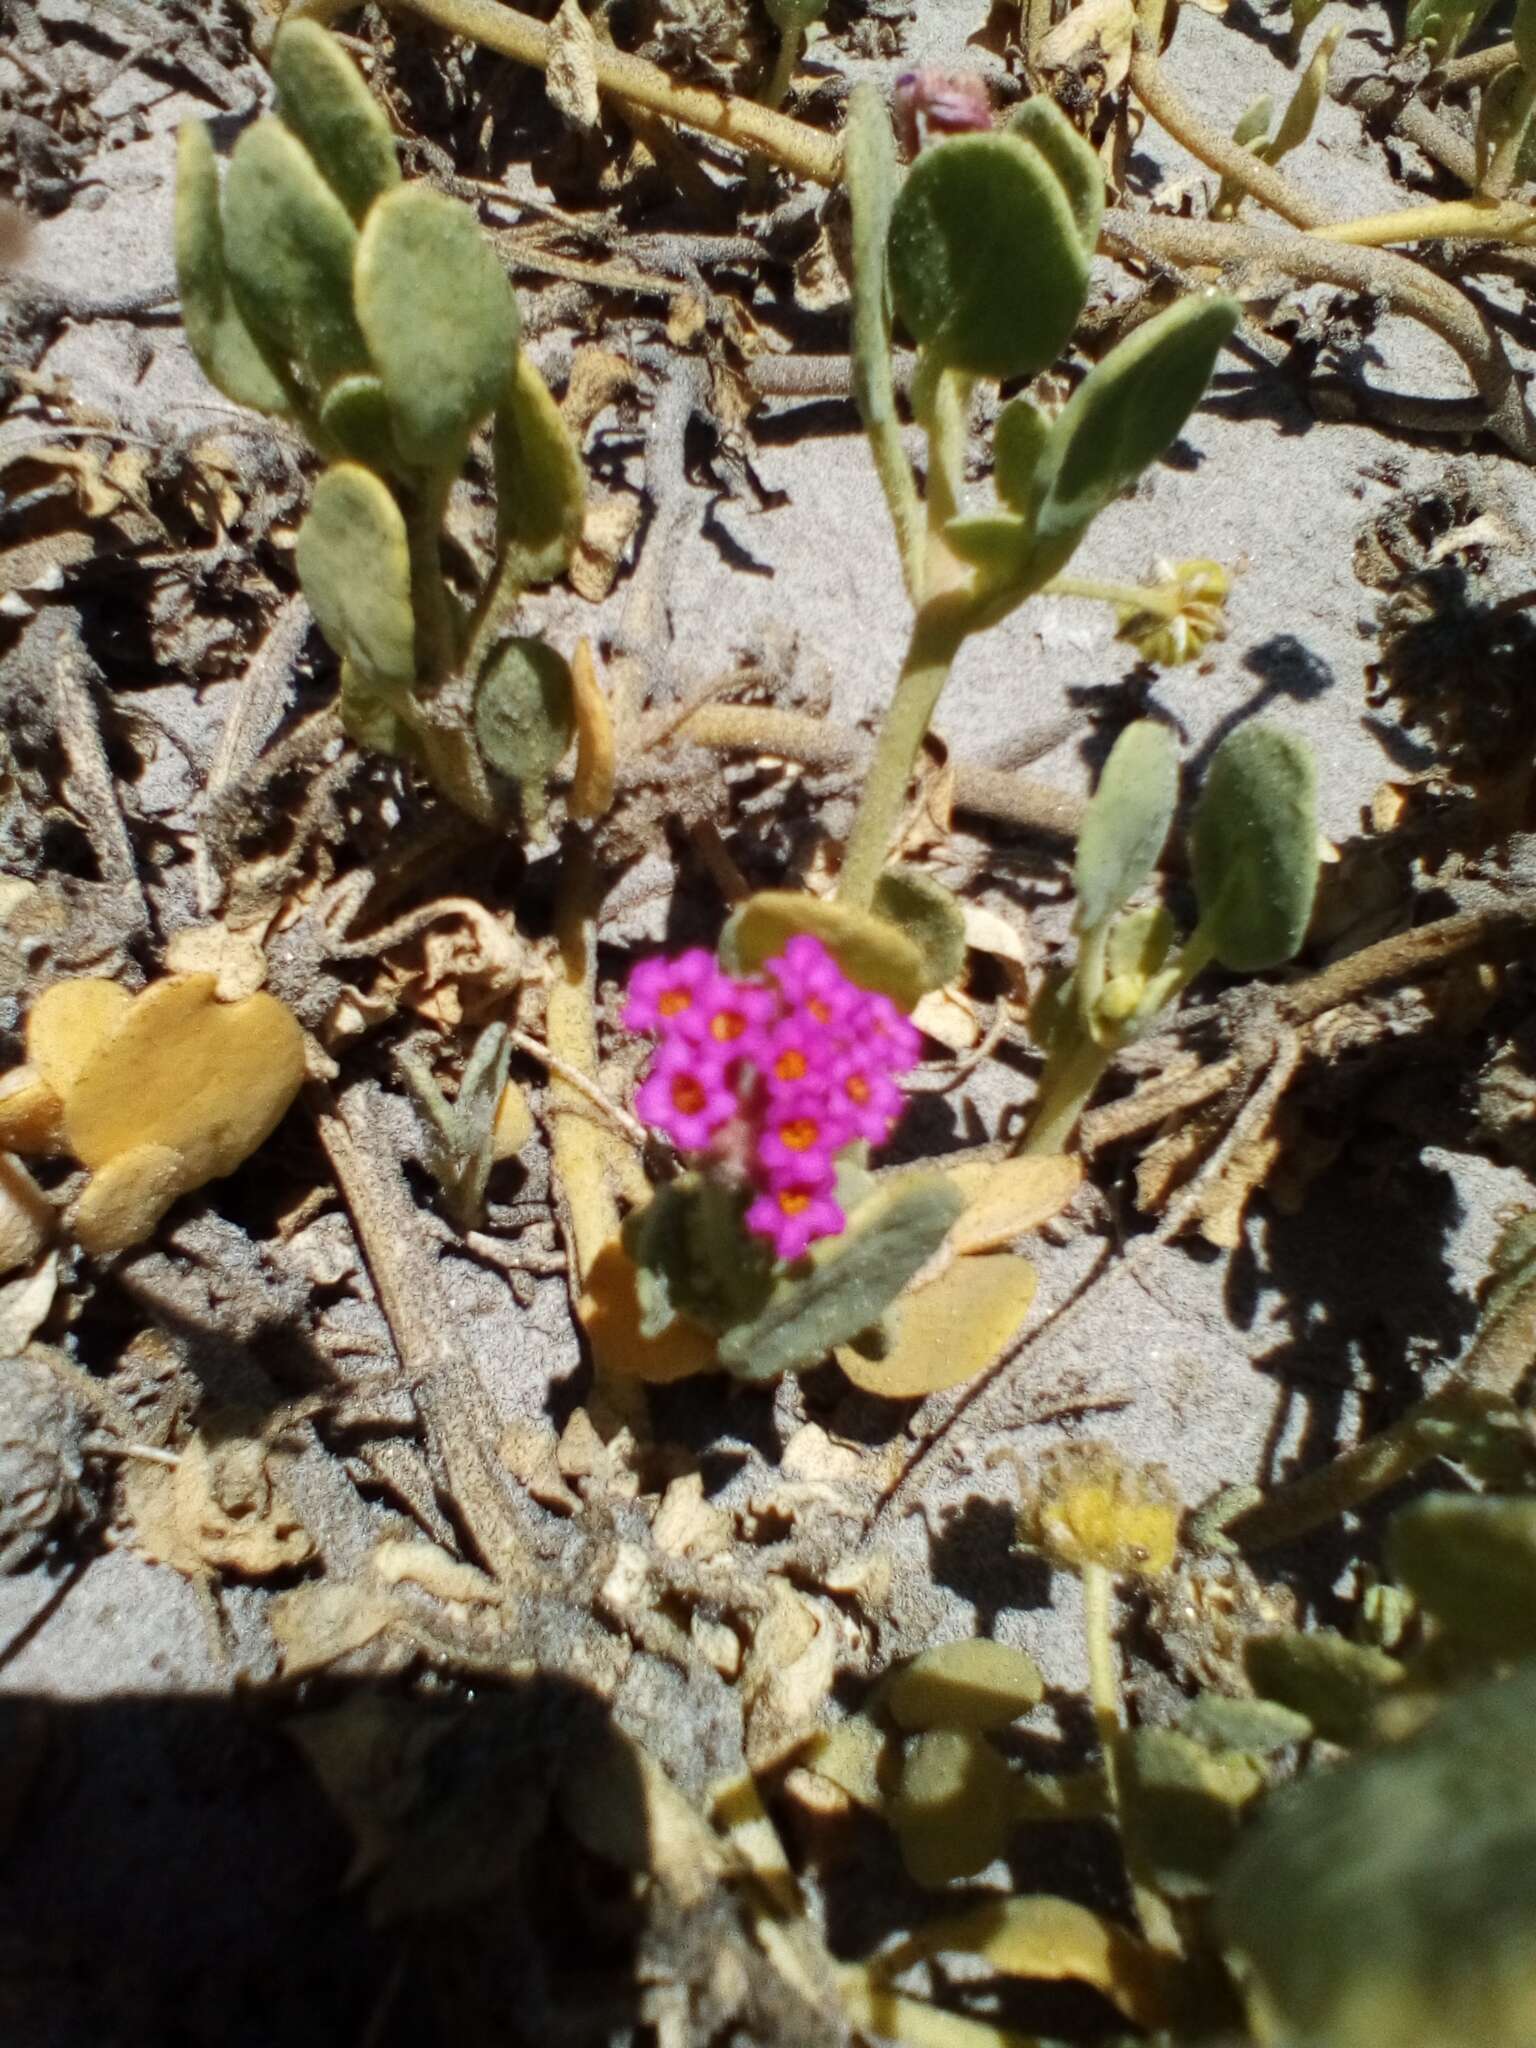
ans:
(770, 1079)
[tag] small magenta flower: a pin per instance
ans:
(735, 1016)
(764, 1081)
(869, 1096)
(793, 1218)
(686, 1094)
(812, 980)
(879, 1024)
(663, 993)
(802, 1129)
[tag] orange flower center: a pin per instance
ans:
(674, 1001)
(857, 1087)
(793, 1200)
(791, 1065)
(799, 1134)
(726, 1025)
(819, 1010)
(687, 1095)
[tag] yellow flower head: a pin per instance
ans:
(1084, 1505)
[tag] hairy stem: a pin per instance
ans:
(1067, 1083)
(937, 634)
(1478, 220)
(1504, 169)
(744, 124)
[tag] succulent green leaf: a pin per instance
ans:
(1392, 1899)
(290, 244)
(1121, 418)
(1336, 1684)
(952, 1811)
(459, 1151)
(869, 949)
(355, 565)
(1041, 123)
(322, 97)
(226, 349)
(370, 715)
(987, 264)
(541, 487)
(355, 418)
(1019, 442)
(525, 715)
(1126, 822)
(848, 1282)
(1470, 1561)
(1254, 847)
(930, 916)
(1183, 1806)
(1253, 123)
(440, 319)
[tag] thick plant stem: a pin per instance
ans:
(782, 76)
(1465, 220)
(1065, 1089)
(940, 628)
(437, 652)
(1162, 599)
(1504, 169)
(742, 123)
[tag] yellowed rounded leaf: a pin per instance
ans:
(126, 1197)
(514, 1124)
(208, 1079)
(610, 1315)
(870, 950)
(31, 1113)
(970, 1684)
(1006, 1198)
(949, 1331)
(26, 1216)
(69, 1023)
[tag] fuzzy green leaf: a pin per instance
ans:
(987, 266)
(1041, 123)
(1256, 1727)
(290, 244)
(355, 565)
(356, 418)
(541, 487)
(225, 347)
(1254, 847)
(1184, 1806)
(1126, 823)
(693, 1257)
(975, 1683)
(440, 318)
(873, 179)
(1019, 442)
(322, 97)
(869, 949)
(525, 715)
(1392, 1900)
(1121, 418)
(849, 1281)
(930, 915)
(952, 1812)
(997, 543)
(1337, 1684)
(1470, 1561)
(370, 715)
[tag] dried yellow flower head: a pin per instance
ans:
(1085, 1505)
(1190, 614)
